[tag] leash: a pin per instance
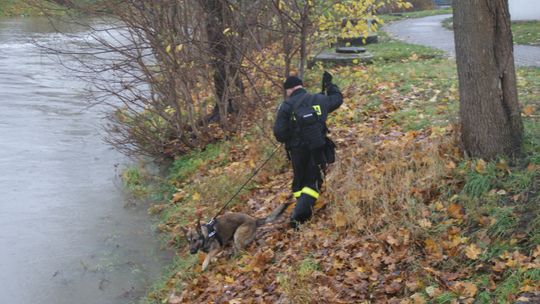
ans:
(245, 183)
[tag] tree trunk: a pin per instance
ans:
(304, 21)
(490, 114)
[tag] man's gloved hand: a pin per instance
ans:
(326, 80)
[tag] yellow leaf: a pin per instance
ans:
(502, 165)
(179, 47)
(528, 110)
(229, 279)
(480, 166)
(472, 251)
(432, 247)
(168, 48)
(225, 31)
(196, 196)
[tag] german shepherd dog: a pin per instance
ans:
(237, 227)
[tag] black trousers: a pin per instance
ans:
(306, 183)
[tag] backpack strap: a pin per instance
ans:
(298, 103)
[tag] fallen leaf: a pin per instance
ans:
(528, 110)
(472, 251)
(433, 291)
(480, 166)
(455, 211)
(433, 248)
(340, 220)
(536, 252)
(174, 299)
(450, 165)
(418, 298)
(391, 240)
(465, 289)
(424, 223)
(178, 196)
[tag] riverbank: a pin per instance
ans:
(404, 215)
(22, 8)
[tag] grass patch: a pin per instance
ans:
(136, 181)
(188, 164)
(23, 8)
(390, 50)
(417, 14)
(448, 23)
(180, 270)
(296, 282)
(526, 32)
(523, 32)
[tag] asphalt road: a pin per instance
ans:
(429, 31)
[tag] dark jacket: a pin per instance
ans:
(285, 129)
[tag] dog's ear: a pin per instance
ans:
(198, 226)
(185, 231)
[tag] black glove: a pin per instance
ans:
(326, 80)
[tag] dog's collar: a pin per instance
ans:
(211, 229)
(211, 234)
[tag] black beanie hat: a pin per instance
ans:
(291, 82)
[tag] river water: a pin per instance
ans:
(68, 232)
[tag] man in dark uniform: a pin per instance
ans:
(306, 162)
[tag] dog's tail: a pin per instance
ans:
(274, 215)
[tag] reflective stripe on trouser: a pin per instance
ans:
(310, 192)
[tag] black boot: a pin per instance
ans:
(302, 211)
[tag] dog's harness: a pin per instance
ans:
(211, 229)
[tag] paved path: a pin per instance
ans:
(430, 32)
